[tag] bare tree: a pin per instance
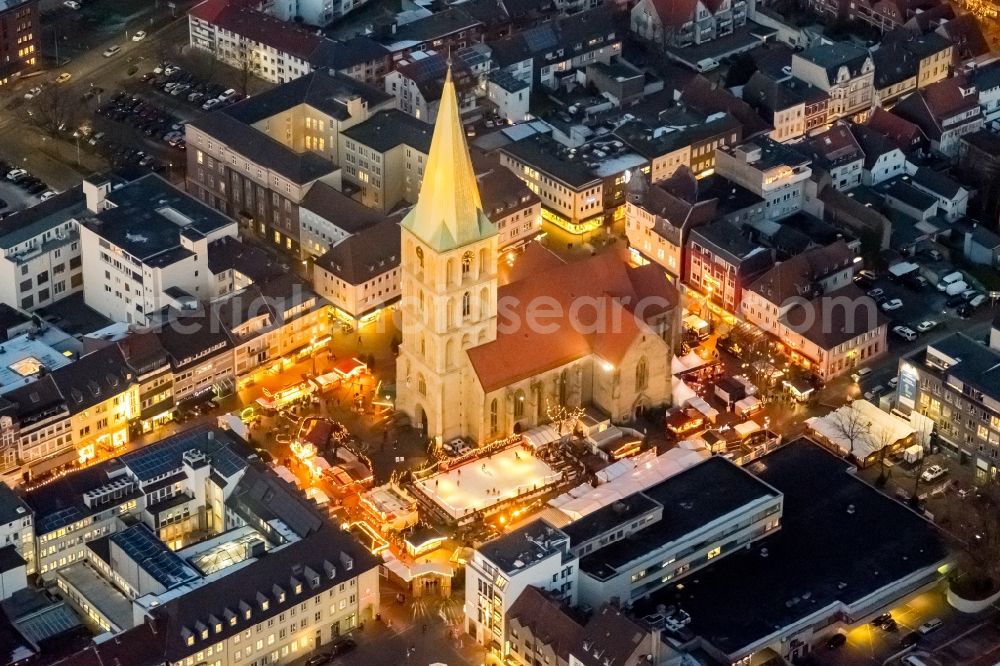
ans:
(247, 67)
(882, 441)
(561, 414)
(973, 527)
(53, 110)
(850, 424)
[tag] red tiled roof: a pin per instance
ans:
(238, 17)
(604, 322)
(945, 98)
(901, 131)
(211, 9)
(675, 12)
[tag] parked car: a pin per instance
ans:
(48, 194)
(139, 36)
(64, 77)
(860, 374)
(935, 255)
(927, 325)
(891, 305)
(211, 104)
(879, 620)
(930, 474)
(874, 393)
(227, 95)
(910, 639)
(342, 646)
(875, 293)
(71, 4)
(915, 282)
(318, 660)
(954, 300)
(16, 175)
(866, 274)
(930, 625)
(905, 332)
(835, 641)
(965, 310)
(893, 382)
(33, 93)
(111, 51)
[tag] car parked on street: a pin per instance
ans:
(927, 325)
(905, 332)
(933, 473)
(111, 51)
(893, 304)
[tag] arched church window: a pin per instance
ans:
(466, 264)
(519, 405)
(466, 304)
(420, 258)
(421, 385)
(641, 374)
(494, 416)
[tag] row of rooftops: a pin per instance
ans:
(829, 518)
(244, 19)
(680, 505)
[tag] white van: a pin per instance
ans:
(948, 279)
(956, 288)
(706, 65)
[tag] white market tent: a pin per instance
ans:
(542, 436)
(746, 428)
(878, 425)
(627, 477)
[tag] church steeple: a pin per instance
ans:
(448, 214)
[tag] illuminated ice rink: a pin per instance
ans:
(483, 482)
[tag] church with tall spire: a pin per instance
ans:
(462, 371)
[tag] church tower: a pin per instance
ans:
(449, 284)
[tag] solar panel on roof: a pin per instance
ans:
(539, 39)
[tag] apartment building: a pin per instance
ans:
(844, 71)
(579, 187)
(41, 261)
(74, 411)
(541, 630)
(256, 160)
(245, 36)
(694, 22)
(509, 204)
(556, 49)
(905, 64)
(944, 111)
(836, 152)
(680, 137)
(500, 570)
(951, 382)
(449, 30)
(883, 158)
(17, 527)
(793, 107)
(360, 275)
(21, 38)
(200, 352)
(417, 81)
(810, 304)
(721, 262)
(328, 216)
(384, 157)
(771, 170)
(987, 80)
(659, 217)
(149, 243)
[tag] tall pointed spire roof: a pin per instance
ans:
(449, 212)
